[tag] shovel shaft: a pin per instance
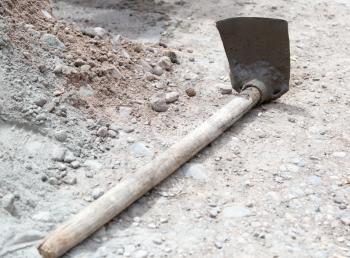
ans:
(98, 213)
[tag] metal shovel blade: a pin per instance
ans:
(252, 41)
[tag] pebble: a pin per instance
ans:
(171, 97)
(58, 153)
(102, 131)
(141, 254)
(4, 41)
(69, 157)
(138, 149)
(112, 134)
(8, 203)
(339, 154)
(97, 193)
(114, 127)
(89, 174)
(158, 102)
(52, 41)
(151, 77)
(157, 70)
(52, 181)
(345, 218)
(173, 57)
(314, 180)
(69, 180)
(75, 164)
(95, 32)
(62, 167)
(225, 89)
(195, 171)
(213, 213)
(165, 63)
(40, 102)
(93, 164)
(79, 62)
(218, 244)
(125, 111)
(157, 241)
(190, 92)
(235, 212)
(43, 216)
(61, 136)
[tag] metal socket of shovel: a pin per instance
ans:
(258, 54)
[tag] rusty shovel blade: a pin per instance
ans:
(251, 40)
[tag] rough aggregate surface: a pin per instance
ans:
(77, 82)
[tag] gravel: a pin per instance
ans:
(158, 102)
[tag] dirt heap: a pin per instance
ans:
(32, 11)
(101, 71)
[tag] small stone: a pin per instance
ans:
(130, 140)
(173, 57)
(52, 181)
(114, 127)
(43, 216)
(93, 164)
(62, 167)
(61, 136)
(69, 180)
(120, 251)
(141, 254)
(112, 134)
(125, 111)
(69, 157)
(79, 62)
(157, 241)
(46, 14)
(158, 103)
(195, 171)
(165, 63)
(213, 213)
(218, 245)
(163, 220)
(95, 32)
(138, 149)
(8, 203)
(157, 70)
(75, 164)
(58, 69)
(40, 102)
(171, 97)
(41, 117)
(225, 89)
(85, 69)
(235, 212)
(128, 129)
(152, 225)
(89, 174)
(52, 41)
(314, 180)
(58, 153)
(345, 218)
(291, 119)
(190, 92)
(102, 131)
(151, 77)
(97, 193)
(44, 178)
(339, 154)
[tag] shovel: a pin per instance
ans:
(258, 53)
